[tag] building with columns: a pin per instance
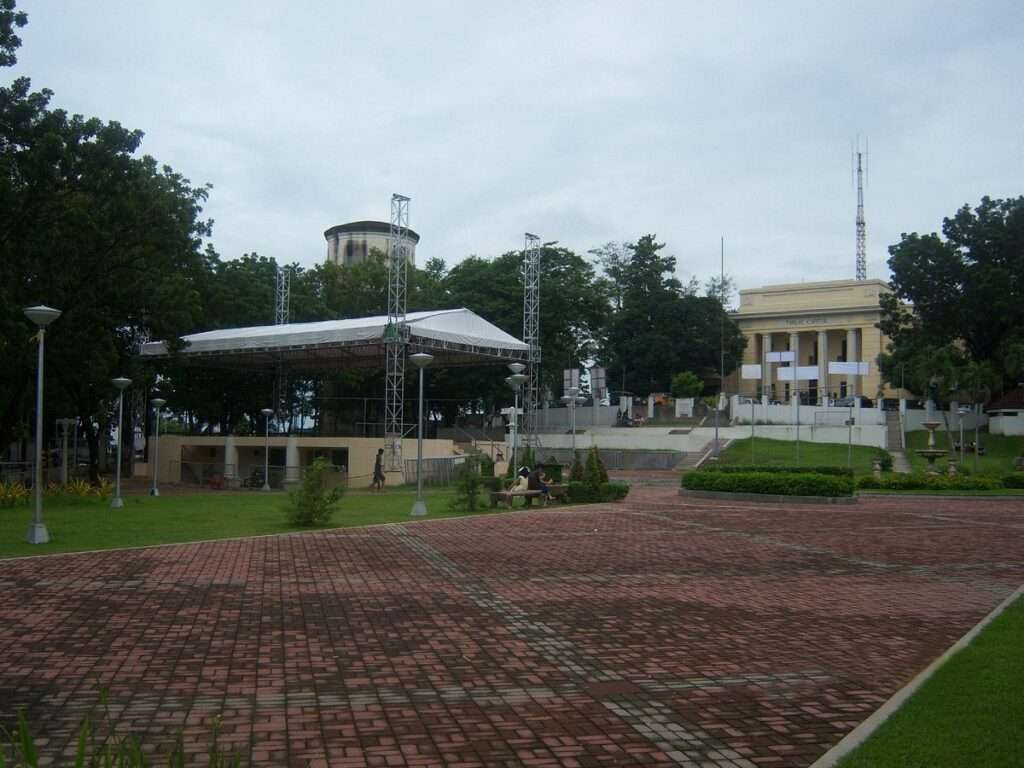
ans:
(833, 321)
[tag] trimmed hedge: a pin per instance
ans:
(778, 470)
(920, 481)
(776, 483)
(1015, 480)
(583, 493)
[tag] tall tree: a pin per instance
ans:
(663, 326)
(86, 225)
(963, 290)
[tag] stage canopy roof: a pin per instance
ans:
(453, 336)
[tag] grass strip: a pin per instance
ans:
(968, 714)
(83, 524)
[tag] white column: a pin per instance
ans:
(794, 347)
(767, 384)
(292, 470)
(851, 356)
(230, 458)
(823, 393)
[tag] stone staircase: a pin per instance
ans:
(694, 459)
(894, 442)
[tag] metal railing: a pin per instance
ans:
(439, 471)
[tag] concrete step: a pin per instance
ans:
(900, 462)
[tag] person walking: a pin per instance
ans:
(378, 471)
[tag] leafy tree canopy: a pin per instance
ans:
(957, 298)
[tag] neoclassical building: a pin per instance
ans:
(833, 321)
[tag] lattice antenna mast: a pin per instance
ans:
(395, 335)
(862, 260)
(531, 334)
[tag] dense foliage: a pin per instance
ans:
(955, 316)
(313, 503)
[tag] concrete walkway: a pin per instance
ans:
(653, 632)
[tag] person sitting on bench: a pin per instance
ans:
(522, 482)
(536, 481)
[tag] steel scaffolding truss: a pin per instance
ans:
(531, 335)
(396, 333)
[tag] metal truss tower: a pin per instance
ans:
(862, 261)
(282, 305)
(396, 334)
(282, 295)
(531, 335)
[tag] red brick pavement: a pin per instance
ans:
(654, 632)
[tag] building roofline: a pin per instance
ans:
(367, 227)
(817, 285)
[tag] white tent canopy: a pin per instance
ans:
(455, 336)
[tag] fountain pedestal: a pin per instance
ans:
(931, 452)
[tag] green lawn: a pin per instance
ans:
(968, 714)
(783, 453)
(82, 524)
(999, 450)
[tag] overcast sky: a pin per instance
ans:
(582, 122)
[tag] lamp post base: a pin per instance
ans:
(154, 491)
(37, 534)
(266, 486)
(419, 509)
(116, 503)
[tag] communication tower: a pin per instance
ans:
(531, 334)
(396, 333)
(862, 261)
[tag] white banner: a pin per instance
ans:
(807, 372)
(847, 369)
(750, 372)
(570, 378)
(780, 357)
(787, 374)
(597, 382)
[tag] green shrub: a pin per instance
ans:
(778, 470)
(594, 472)
(468, 487)
(920, 481)
(884, 458)
(311, 503)
(486, 466)
(553, 469)
(576, 473)
(1014, 480)
(777, 483)
(14, 494)
(584, 493)
(614, 491)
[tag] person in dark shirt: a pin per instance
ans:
(378, 471)
(536, 480)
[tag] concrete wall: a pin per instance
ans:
(809, 414)
(586, 416)
(1007, 425)
(249, 450)
(915, 417)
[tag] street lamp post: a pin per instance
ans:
(516, 380)
(961, 411)
(267, 413)
(41, 316)
(158, 403)
(571, 400)
(121, 383)
(421, 360)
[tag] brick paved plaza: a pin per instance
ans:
(653, 632)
